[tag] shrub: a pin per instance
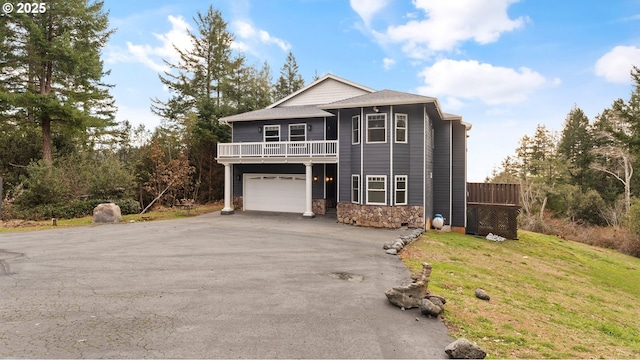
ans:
(74, 209)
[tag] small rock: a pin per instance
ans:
(482, 295)
(388, 245)
(392, 251)
(436, 301)
(398, 245)
(440, 298)
(428, 308)
(464, 349)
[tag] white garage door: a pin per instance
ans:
(274, 192)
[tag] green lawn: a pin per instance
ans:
(550, 298)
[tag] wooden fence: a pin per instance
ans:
(494, 194)
(493, 208)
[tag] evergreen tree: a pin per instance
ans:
(575, 145)
(290, 80)
(51, 71)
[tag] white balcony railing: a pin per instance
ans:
(318, 148)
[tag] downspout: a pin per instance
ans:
(324, 190)
(424, 167)
(338, 162)
(362, 157)
(391, 142)
(450, 171)
(466, 155)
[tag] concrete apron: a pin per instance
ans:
(249, 285)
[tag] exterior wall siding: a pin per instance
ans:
(408, 158)
(325, 92)
(441, 169)
(459, 181)
(247, 131)
(349, 155)
(428, 167)
(376, 155)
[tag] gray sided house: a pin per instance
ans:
(380, 158)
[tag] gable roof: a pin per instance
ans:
(326, 89)
(304, 102)
(383, 97)
(285, 112)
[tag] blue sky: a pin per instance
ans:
(503, 65)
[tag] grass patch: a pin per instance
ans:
(159, 214)
(549, 297)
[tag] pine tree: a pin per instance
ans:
(574, 147)
(51, 70)
(290, 80)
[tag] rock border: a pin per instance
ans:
(393, 247)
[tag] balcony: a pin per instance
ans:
(319, 151)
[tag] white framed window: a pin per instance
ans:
(297, 132)
(271, 133)
(401, 189)
(355, 130)
(401, 128)
(376, 190)
(376, 128)
(355, 188)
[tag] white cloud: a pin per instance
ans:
(252, 38)
(469, 79)
(388, 63)
(615, 66)
(448, 23)
(152, 56)
(451, 104)
(367, 8)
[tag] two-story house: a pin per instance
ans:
(381, 158)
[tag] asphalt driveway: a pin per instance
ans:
(250, 285)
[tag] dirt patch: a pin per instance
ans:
(12, 224)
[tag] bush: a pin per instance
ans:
(74, 209)
(76, 176)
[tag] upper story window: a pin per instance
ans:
(297, 132)
(376, 128)
(401, 128)
(271, 133)
(355, 130)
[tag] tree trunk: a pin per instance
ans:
(46, 140)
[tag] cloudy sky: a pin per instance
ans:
(503, 65)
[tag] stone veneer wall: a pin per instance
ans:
(237, 203)
(390, 217)
(319, 206)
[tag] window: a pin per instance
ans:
(401, 128)
(376, 128)
(271, 133)
(355, 189)
(401, 190)
(376, 190)
(355, 130)
(297, 132)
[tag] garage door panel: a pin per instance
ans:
(274, 192)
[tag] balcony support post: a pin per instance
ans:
(228, 206)
(308, 213)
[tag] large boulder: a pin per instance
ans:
(464, 349)
(107, 213)
(410, 296)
